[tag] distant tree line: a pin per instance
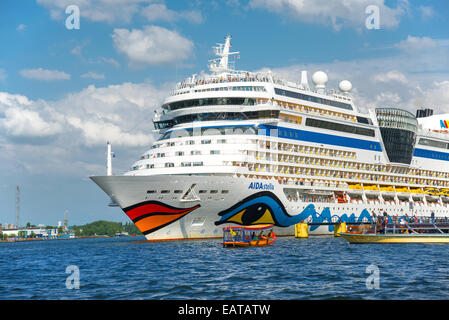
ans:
(105, 228)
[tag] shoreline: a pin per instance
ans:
(41, 239)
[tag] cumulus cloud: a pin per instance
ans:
(97, 132)
(152, 45)
(44, 75)
(68, 130)
(121, 114)
(338, 13)
(24, 123)
(11, 100)
(21, 122)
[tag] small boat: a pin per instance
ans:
(396, 238)
(248, 236)
(401, 233)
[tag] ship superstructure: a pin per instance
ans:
(239, 147)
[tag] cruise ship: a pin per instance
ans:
(247, 148)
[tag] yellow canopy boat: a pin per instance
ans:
(429, 231)
(396, 238)
(246, 236)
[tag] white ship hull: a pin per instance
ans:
(203, 215)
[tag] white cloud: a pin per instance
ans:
(391, 76)
(160, 12)
(338, 13)
(96, 10)
(413, 44)
(426, 12)
(388, 97)
(44, 75)
(21, 27)
(24, 123)
(12, 100)
(68, 136)
(92, 75)
(110, 61)
(78, 49)
(407, 79)
(103, 60)
(435, 97)
(98, 132)
(152, 45)
(20, 119)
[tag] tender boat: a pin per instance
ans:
(248, 236)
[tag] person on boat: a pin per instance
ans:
(432, 217)
(253, 236)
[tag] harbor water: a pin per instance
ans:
(314, 268)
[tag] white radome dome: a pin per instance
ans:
(345, 86)
(319, 78)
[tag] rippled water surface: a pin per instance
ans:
(315, 268)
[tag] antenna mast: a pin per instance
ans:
(66, 222)
(109, 161)
(222, 50)
(17, 206)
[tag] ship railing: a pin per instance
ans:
(429, 133)
(236, 76)
(421, 225)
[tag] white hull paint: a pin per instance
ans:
(128, 191)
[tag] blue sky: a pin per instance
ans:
(64, 93)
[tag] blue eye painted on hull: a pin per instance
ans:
(265, 208)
